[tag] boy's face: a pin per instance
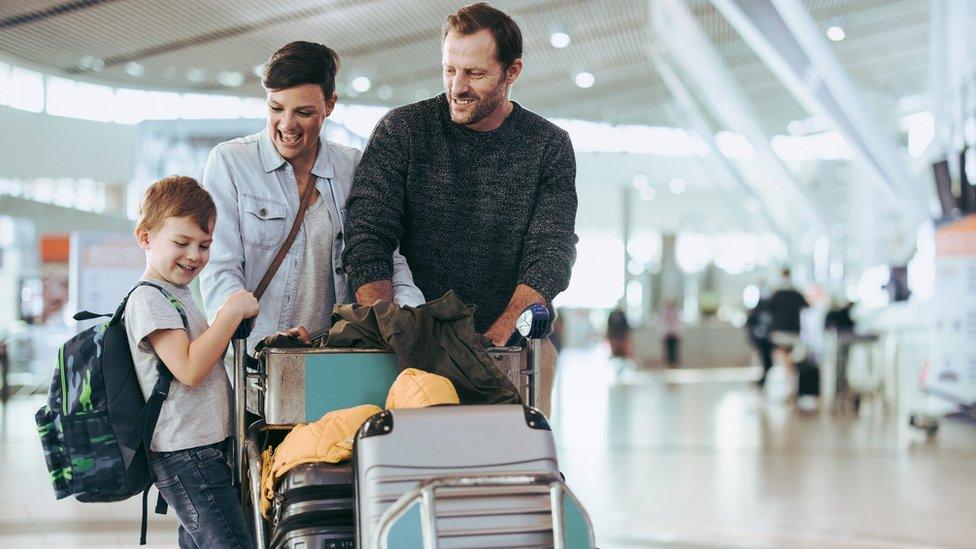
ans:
(176, 250)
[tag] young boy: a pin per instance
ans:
(176, 221)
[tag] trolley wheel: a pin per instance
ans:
(926, 423)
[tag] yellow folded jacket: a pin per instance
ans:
(330, 438)
(415, 388)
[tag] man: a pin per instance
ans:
(479, 192)
(785, 306)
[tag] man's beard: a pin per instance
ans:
(482, 107)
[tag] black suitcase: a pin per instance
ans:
(313, 508)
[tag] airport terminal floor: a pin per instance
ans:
(685, 458)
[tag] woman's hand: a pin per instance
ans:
(298, 331)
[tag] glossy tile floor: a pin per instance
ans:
(684, 459)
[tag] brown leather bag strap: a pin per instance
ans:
(286, 245)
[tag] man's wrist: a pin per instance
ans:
(498, 336)
(371, 292)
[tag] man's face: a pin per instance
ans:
(295, 117)
(475, 81)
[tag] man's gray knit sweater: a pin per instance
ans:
(474, 212)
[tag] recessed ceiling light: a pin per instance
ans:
(795, 127)
(91, 63)
(648, 194)
(384, 92)
(559, 39)
(641, 181)
(231, 79)
(584, 79)
(361, 84)
(259, 70)
(196, 75)
(134, 69)
(836, 33)
(677, 185)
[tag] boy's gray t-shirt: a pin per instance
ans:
(190, 416)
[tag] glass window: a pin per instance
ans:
(252, 107)
(6, 86)
(26, 90)
(133, 106)
(80, 100)
(202, 106)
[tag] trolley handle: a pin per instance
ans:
(534, 324)
(243, 330)
(239, 346)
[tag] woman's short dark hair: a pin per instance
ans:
(476, 17)
(300, 63)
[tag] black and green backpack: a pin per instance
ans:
(97, 426)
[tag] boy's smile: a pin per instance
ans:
(176, 250)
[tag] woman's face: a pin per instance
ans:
(295, 117)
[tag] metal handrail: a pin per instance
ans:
(252, 451)
(426, 493)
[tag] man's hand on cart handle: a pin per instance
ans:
(505, 325)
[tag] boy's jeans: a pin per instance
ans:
(196, 483)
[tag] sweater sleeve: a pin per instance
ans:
(375, 223)
(550, 244)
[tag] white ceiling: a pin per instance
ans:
(396, 44)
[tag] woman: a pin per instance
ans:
(257, 181)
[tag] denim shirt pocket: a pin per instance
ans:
(263, 222)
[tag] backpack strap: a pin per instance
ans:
(142, 433)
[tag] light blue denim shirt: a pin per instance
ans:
(256, 195)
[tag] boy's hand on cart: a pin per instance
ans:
(298, 331)
(242, 303)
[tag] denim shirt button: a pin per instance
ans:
(338, 270)
(263, 212)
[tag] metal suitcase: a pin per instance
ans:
(491, 469)
(317, 500)
(301, 385)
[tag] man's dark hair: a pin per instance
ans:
(300, 63)
(476, 17)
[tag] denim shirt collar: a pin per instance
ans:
(271, 160)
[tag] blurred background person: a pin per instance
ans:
(619, 335)
(785, 306)
(670, 321)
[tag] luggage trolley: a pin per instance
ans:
(291, 386)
